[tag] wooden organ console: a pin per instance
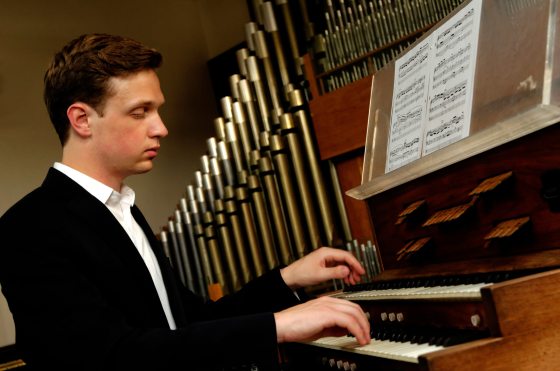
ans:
(469, 235)
(480, 289)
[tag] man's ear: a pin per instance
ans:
(79, 115)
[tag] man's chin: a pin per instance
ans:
(144, 167)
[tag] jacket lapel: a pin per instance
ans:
(105, 227)
(171, 283)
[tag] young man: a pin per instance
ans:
(87, 283)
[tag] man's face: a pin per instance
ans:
(126, 133)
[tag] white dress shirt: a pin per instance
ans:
(119, 205)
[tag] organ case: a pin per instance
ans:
(481, 214)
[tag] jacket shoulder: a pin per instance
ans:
(30, 206)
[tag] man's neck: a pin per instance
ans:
(91, 171)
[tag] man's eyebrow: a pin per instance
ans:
(146, 103)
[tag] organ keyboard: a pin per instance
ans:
(405, 351)
(503, 326)
(457, 292)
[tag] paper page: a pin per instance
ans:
(452, 79)
(433, 89)
(410, 92)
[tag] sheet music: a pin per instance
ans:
(433, 89)
(452, 79)
(409, 106)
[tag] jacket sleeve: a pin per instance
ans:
(267, 293)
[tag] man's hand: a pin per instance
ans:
(322, 265)
(321, 317)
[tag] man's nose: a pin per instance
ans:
(159, 129)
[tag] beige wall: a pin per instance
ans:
(220, 15)
(187, 32)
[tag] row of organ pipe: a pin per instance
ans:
(260, 198)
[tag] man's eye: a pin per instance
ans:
(139, 113)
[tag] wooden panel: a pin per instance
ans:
(349, 170)
(310, 73)
(11, 359)
(340, 119)
(537, 261)
(537, 350)
(535, 299)
(526, 310)
(529, 158)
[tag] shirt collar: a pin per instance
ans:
(125, 196)
(97, 189)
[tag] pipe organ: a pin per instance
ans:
(460, 178)
(466, 224)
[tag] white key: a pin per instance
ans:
(405, 351)
(432, 292)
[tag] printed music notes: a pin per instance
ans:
(409, 107)
(433, 89)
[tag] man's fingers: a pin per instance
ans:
(353, 318)
(353, 278)
(360, 332)
(341, 257)
(321, 317)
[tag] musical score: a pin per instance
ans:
(433, 89)
(453, 35)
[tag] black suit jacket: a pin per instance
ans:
(83, 299)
